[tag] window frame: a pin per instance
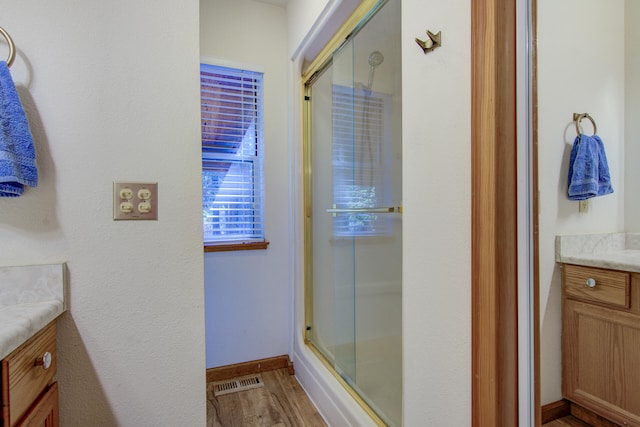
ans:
(259, 177)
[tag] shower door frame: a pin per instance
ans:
(357, 19)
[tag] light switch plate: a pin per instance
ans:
(135, 200)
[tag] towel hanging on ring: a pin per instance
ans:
(589, 174)
(17, 152)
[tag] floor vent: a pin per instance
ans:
(237, 384)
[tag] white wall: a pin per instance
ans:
(632, 112)
(301, 16)
(436, 219)
(112, 93)
(437, 214)
(577, 72)
(248, 297)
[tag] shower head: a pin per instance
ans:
(376, 58)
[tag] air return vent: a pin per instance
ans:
(237, 384)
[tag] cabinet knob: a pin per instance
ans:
(591, 282)
(44, 361)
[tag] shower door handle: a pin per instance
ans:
(389, 209)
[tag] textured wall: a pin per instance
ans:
(112, 93)
(437, 217)
(632, 111)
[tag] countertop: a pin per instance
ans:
(30, 298)
(615, 251)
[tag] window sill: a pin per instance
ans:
(240, 246)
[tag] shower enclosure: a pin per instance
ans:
(353, 199)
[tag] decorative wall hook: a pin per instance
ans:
(433, 41)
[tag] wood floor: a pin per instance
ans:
(281, 402)
(568, 421)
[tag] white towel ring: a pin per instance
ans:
(12, 47)
(577, 118)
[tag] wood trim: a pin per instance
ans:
(554, 410)
(494, 215)
(228, 372)
(589, 417)
(4, 392)
(243, 246)
(562, 408)
(535, 207)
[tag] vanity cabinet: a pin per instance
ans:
(29, 393)
(601, 342)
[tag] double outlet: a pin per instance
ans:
(135, 200)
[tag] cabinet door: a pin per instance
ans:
(44, 413)
(601, 360)
(22, 379)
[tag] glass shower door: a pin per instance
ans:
(333, 259)
(343, 245)
(354, 227)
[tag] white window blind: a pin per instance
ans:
(232, 154)
(360, 162)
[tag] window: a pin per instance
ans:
(232, 158)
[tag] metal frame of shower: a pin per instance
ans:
(320, 63)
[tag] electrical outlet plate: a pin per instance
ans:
(583, 206)
(135, 200)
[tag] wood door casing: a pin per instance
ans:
(494, 215)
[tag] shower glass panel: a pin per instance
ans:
(343, 244)
(354, 224)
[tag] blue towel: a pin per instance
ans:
(588, 169)
(17, 153)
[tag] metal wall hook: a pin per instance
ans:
(433, 41)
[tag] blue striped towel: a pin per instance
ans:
(17, 153)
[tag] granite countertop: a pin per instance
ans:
(30, 298)
(615, 251)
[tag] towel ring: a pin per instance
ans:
(578, 118)
(12, 47)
